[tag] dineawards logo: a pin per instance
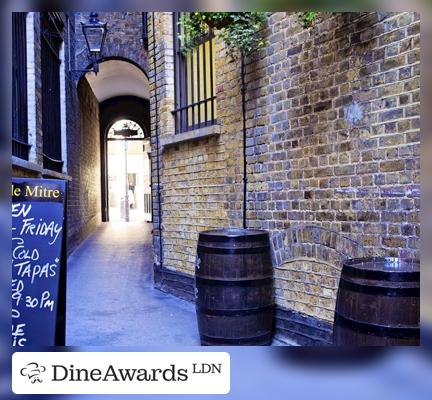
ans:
(33, 371)
(121, 373)
(71, 373)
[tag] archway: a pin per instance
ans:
(118, 77)
(122, 89)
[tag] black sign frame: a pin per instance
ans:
(60, 298)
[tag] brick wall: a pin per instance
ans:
(161, 83)
(332, 152)
(123, 40)
(334, 156)
(200, 179)
(84, 201)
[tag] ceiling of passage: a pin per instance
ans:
(118, 78)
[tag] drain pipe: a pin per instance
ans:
(157, 145)
(243, 92)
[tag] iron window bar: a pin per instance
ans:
(20, 145)
(20, 149)
(207, 100)
(56, 21)
(51, 123)
(193, 76)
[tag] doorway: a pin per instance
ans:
(128, 172)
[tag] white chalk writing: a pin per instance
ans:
(36, 246)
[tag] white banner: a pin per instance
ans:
(121, 373)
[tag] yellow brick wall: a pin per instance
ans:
(201, 180)
(332, 144)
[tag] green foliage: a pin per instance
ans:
(239, 30)
(307, 18)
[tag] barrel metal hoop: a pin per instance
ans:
(381, 275)
(232, 251)
(389, 260)
(235, 313)
(264, 236)
(379, 290)
(266, 338)
(238, 283)
(377, 330)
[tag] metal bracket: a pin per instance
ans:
(95, 70)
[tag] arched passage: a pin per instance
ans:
(118, 77)
(113, 110)
(122, 89)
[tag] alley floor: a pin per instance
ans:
(110, 296)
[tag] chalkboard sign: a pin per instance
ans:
(38, 262)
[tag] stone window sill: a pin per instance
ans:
(27, 165)
(31, 166)
(201, 133)
(47, 173)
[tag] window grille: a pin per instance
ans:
(20, 146)
(195, 90)
(51, 42)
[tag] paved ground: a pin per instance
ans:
(110, 298)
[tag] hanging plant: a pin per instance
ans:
(239, 30)
(307, 18)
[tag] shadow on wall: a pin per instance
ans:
(307, 264)
(84, 212)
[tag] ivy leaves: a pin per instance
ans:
(307, 18)
(239, 30)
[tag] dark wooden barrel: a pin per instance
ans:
(378, 303)
(234, 287)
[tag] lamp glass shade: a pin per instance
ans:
(95, 39)
(94, 32)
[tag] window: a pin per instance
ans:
(51, 44)
(125, 129)
(20, 146)
(195, 91)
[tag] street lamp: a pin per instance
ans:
(94, 32)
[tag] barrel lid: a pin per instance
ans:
(385, 264)
(233, 233)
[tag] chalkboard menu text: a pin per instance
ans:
(38, 261)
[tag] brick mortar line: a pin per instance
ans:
(305, 282)
(207, 174)
(302, 291)
(200, 163)
(307, 304)
(378, 73)
(307, 259)
(196, 179)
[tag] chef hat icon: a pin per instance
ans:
(33, 371)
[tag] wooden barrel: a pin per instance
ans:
(378, 303)
(234, 287)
